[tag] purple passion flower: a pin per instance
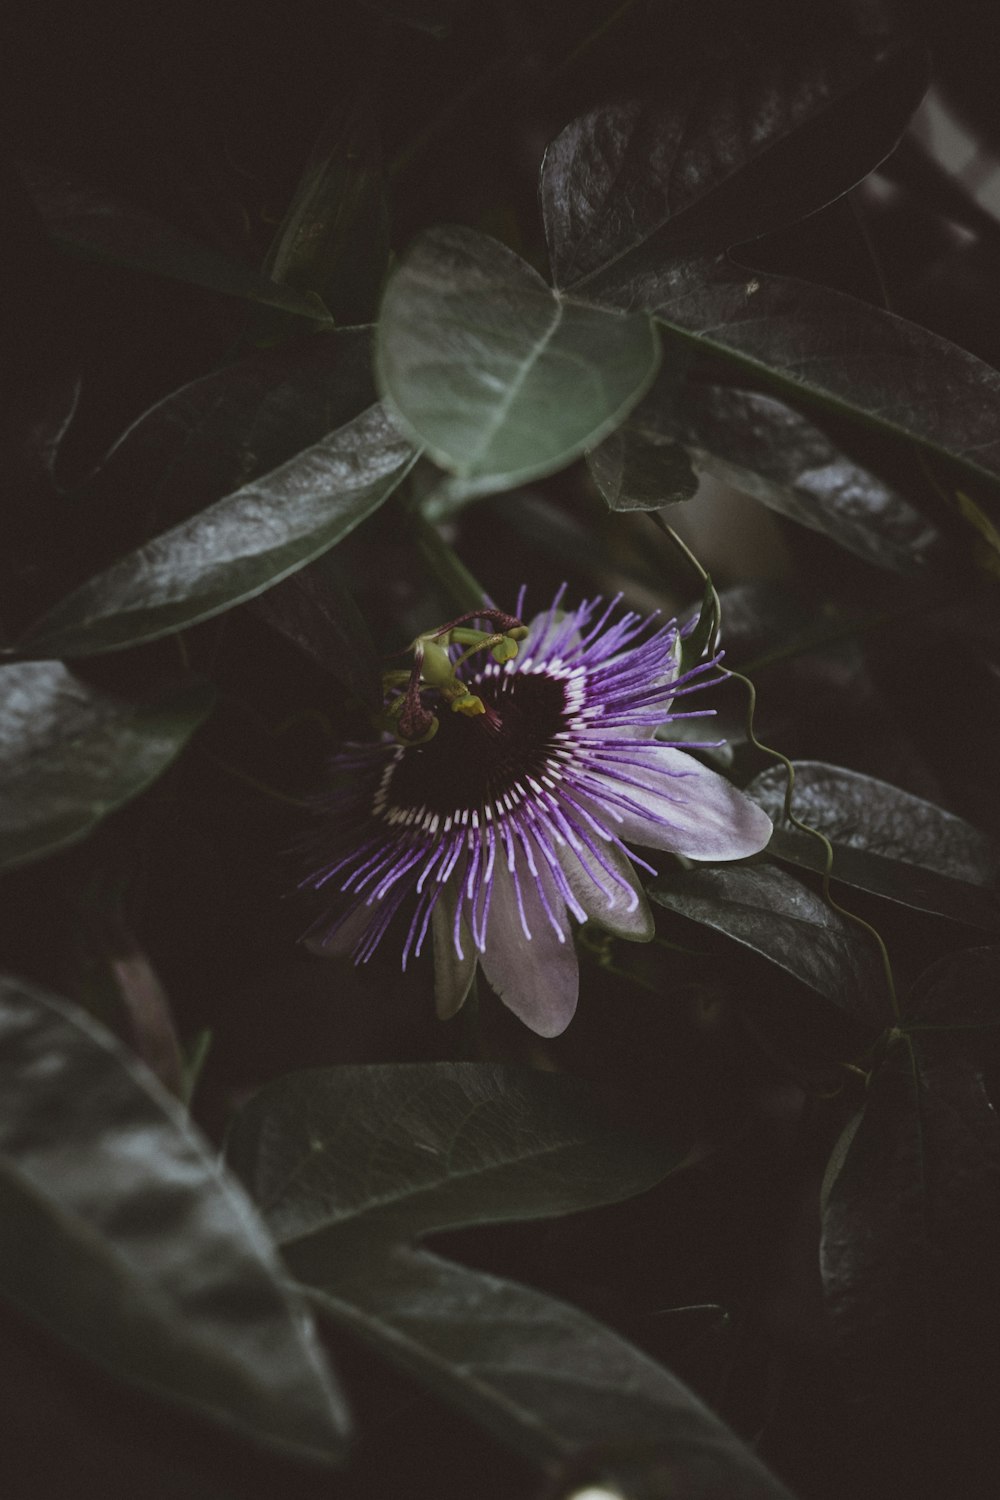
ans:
(516, 816)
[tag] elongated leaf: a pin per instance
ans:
(911, 1235)
(761, 139)
(125, 1238)
(350, 1166)
(433, 1146)
(236, 548)
(228, 428)
(785, 922)
(885, 841)
(91, 222)
(640, 201)
(334, 239)
(70, 754)
(762, 447)
(825, 351)
(537, 1371)
(498, 376)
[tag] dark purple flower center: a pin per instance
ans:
(473, 761)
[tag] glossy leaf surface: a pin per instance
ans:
(764, 448)
(222, 431)
(885, 841)
(785, 922)
(236, 548)
(70, 754)
(126, 1239)
(642, 200)
(753, 143)
(352, 1165)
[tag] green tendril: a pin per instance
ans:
(711, 600)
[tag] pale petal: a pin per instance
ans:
(538, 979)
(453, 976)
(621, 907)
(681, 805)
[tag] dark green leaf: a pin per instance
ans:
(538, 1372)
(350, 1166)
(911, 1235)
(315, 610)
(762, 447)
(334, 239)
(93, 223)
(432, 1146)
(69, 753)
(639, 468)
(640, 200)
(963, 988)
(230, 427)
(498, 376)
(829, 353)
(776, 916)
(236, 548)
(125, 1238)
(885, 841)
(760, 141)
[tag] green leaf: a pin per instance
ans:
(540, 1374)
(314, 609)
(642, 200)
(236, 548)
(749, 142)
(502, 379)
(352, 1165)
(762, 447)
(833, 355)
(641, 468)
(93, 223)
(334, 239)
(225, 429)
(70, 754)
(774, 915)
(911, 1236)
(885, 841)
(123, 1236)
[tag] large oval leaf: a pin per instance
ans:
(885, 841)
(498, 376)
(755, 140)
(236, 548)
(785, 922)
(121, 1233)
(69, 753)
(352, 1165)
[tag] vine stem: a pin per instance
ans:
(790, 817)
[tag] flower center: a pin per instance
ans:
(472, 763)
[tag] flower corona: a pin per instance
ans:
(508, 798)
